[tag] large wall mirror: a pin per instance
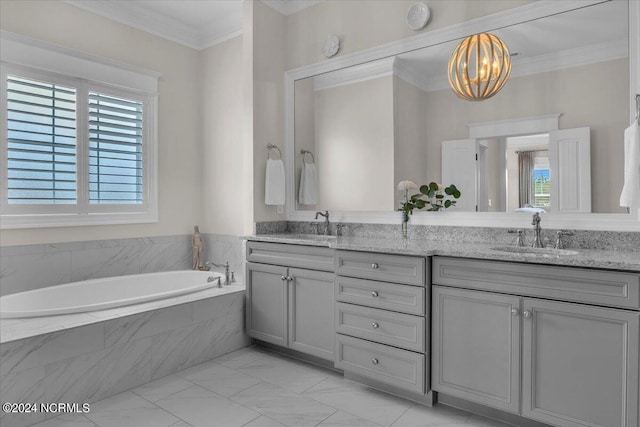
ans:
(559, 121)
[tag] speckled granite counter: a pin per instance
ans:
(589, 258)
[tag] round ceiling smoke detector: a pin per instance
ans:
(418, 16)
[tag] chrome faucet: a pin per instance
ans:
(520, 242)
(327, 229)
(537, 241)
(228, 277)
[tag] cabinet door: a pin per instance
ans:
(580, 364)
(311, 311)
(475, 347)
(267, 303)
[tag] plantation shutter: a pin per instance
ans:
(115, 150)
(41, 143)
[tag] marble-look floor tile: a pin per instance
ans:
(67, 420)
(418, 416)
(203, 408)
(218, 378)
(345, 419)
(478, 421)
(241, 357)
(359, 400)
(263, 421)
(289, 408)
(162, 387)
(128, 409)
(288, 374)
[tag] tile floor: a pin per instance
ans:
(253, 387)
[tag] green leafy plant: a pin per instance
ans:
(431, 197)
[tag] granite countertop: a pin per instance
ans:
(589, 258)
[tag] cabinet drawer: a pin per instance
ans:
(388, 296)
(388, 268)
(312, 257)
(386, 327)
(601, 287)
(400, 368)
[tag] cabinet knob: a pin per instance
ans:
(283, 278)
(289, 278)
(374, 325)
(527, 314)
(515, 312)
(375, 266)
(374, 361)
(375, 294)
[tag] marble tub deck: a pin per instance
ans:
(86, 357)
(254, 387)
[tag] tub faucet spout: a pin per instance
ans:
(227, 274)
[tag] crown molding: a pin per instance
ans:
(355, 74)
(289, 7)
(128, 13)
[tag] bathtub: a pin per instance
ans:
(100, 294)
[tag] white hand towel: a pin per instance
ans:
(308, 194)
(631, 189)
(274, 183)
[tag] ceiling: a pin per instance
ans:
(197, 24)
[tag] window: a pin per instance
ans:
(75, 151)
(541, 182)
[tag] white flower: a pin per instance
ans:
(407, 185)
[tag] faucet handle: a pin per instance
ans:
(339, 228)
(521, 235)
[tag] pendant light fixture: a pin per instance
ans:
(479, 67)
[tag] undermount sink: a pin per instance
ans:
(529, 251)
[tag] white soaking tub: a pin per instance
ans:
(100, 294)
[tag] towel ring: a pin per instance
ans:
(273, 147)
(303, 152)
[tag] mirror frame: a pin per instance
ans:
(535, 10)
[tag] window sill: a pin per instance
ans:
(75, 220)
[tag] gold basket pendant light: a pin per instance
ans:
(479, 67)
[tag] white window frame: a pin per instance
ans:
(24, 58)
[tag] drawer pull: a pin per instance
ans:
(375, 266)
(374, 361)
(375, 294)
(527, 314)
(514, 312)
(374, 325)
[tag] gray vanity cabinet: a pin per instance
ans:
(287, 305)
(267, 308)
(580, 364)
(476, 346)
(568, 363)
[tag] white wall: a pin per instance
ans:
(179, 126)
(268, 99)
(221, 166)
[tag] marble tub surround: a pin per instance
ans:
(28, 267)
(589, 258)
(97, 360)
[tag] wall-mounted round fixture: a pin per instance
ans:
(479, 67)
(418, 16)
(331, 46)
